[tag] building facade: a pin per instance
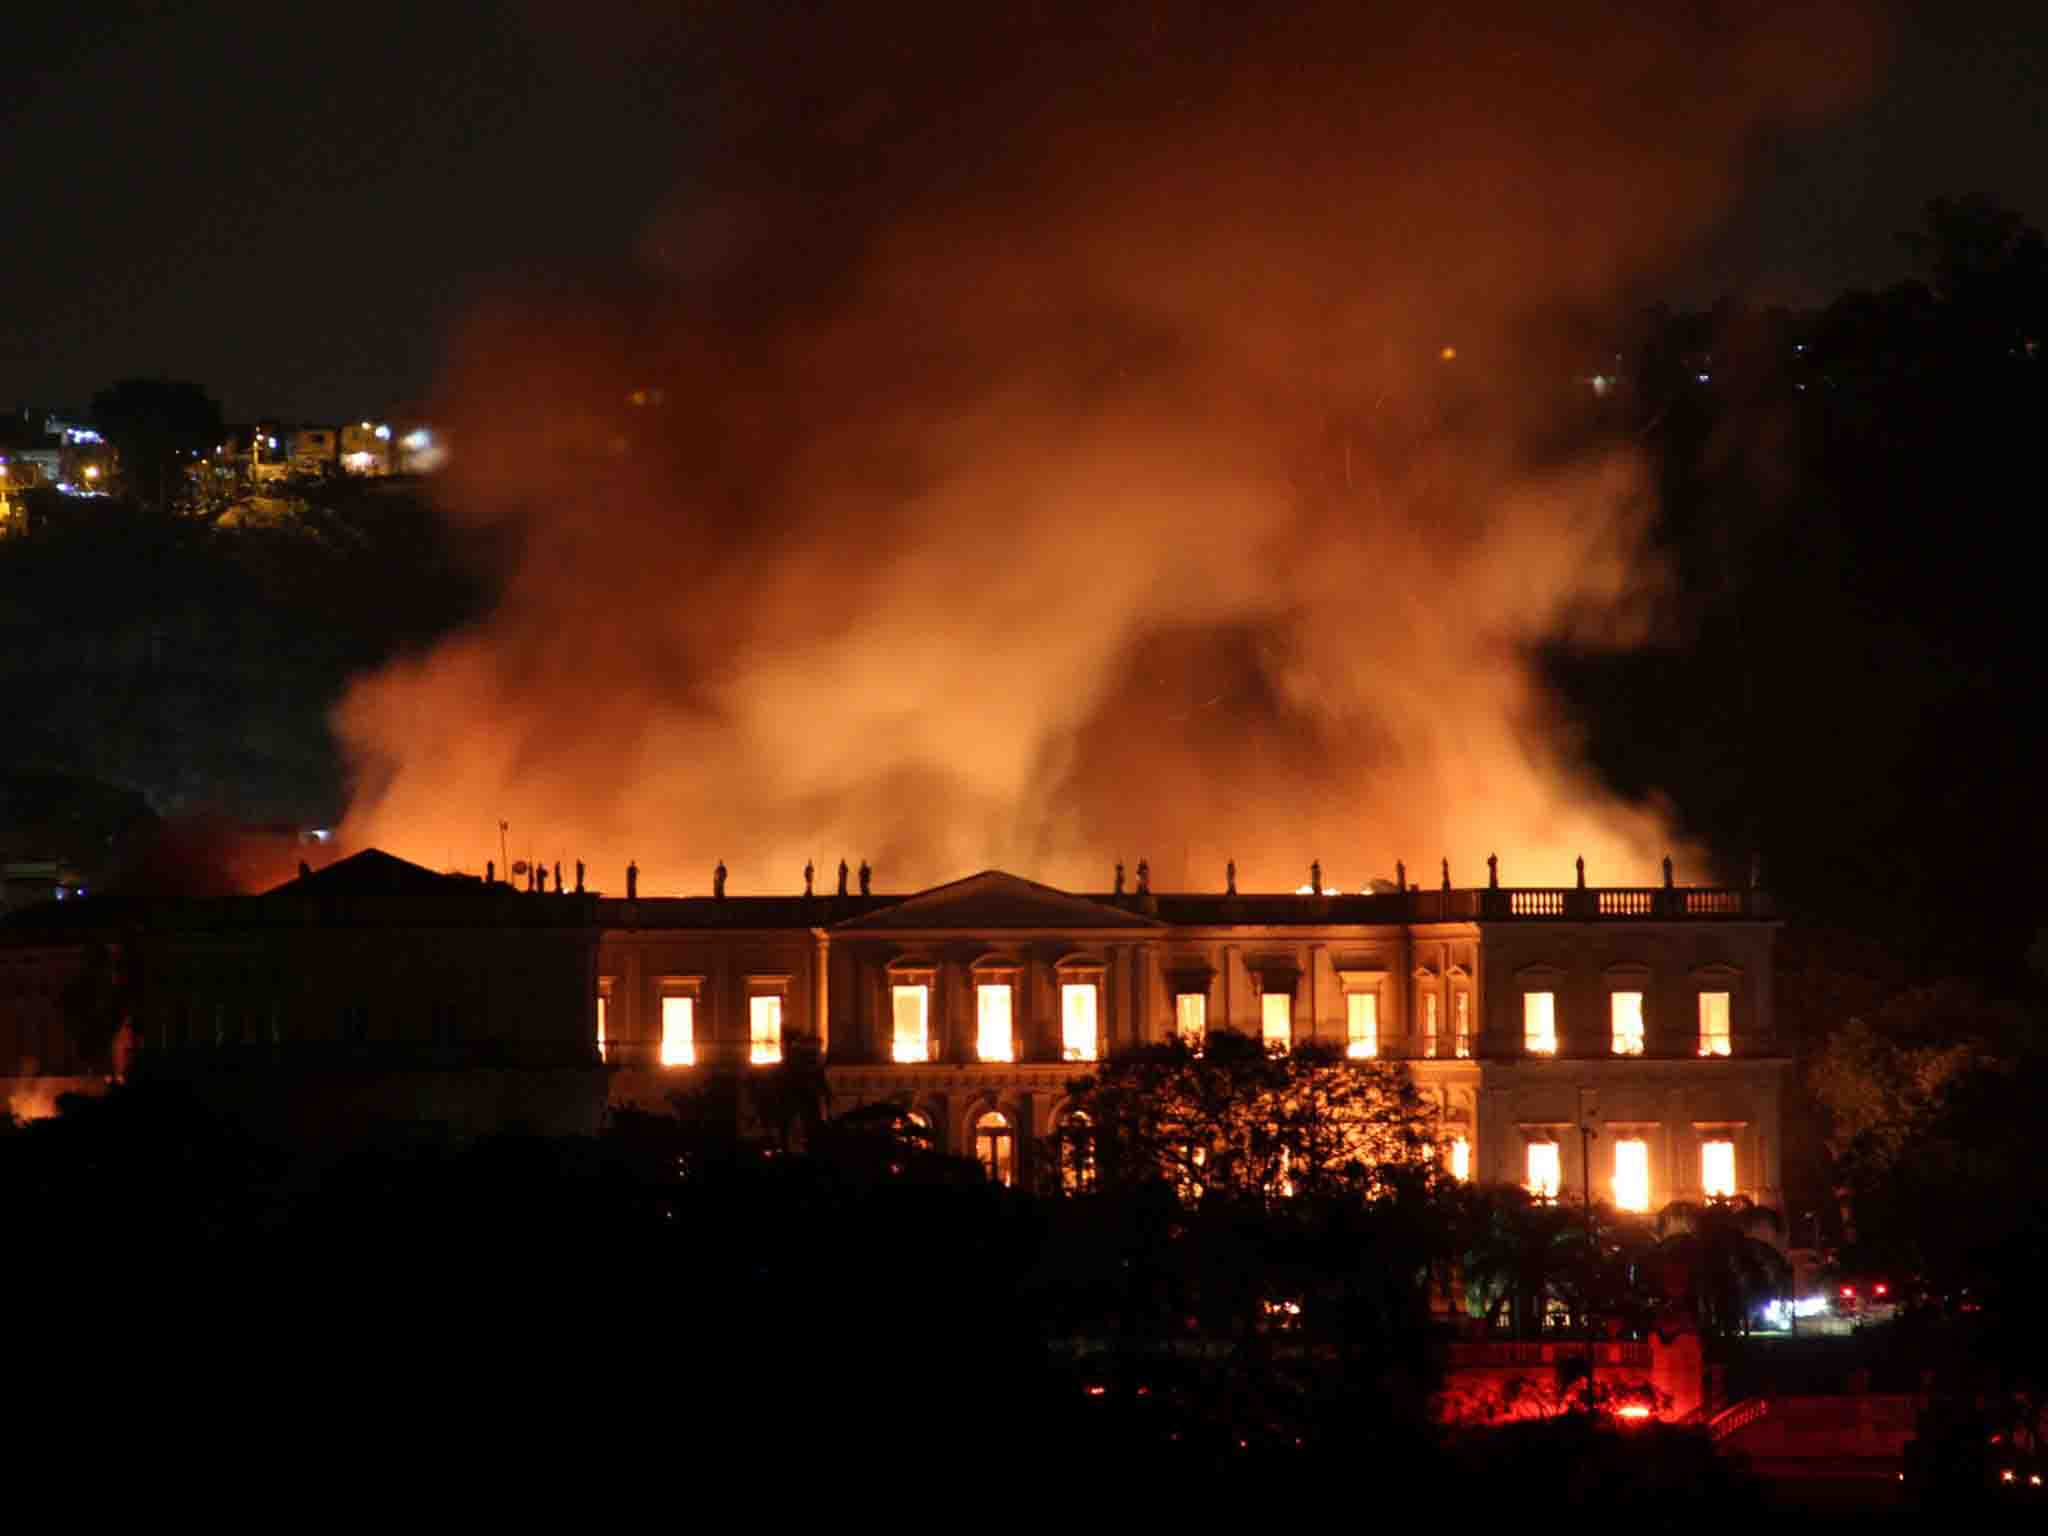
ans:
(1619, 1034)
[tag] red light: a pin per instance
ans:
(1848, 1290)
(1879, 1289)
(1097, 1391)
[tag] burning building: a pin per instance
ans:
(381, 991)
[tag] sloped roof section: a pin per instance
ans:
(993, 899)
(373, 872)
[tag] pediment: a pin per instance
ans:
(995, 900)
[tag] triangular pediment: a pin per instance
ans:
(995, 900)
(372, 872)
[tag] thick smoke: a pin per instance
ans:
(1094, 433)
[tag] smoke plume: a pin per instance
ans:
(1090, 432)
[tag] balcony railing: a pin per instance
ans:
(1502, 1354)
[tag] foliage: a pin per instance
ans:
(158, 427)
(1723, 1249)
(1233, 1119)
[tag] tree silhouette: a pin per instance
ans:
(159, 428)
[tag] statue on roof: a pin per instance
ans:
(1119, 877)
(866, 875)
(1447, 874)
(842, 877)
(810, 874)
(718, 881)
(1230, 877)
(1144, 877)
(632, 881)
(1315, 877)
(1493, 871)
(579, 877)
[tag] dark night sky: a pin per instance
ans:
(292, 210)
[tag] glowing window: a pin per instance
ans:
(1714, 1037)
(1462, 1046)
(1429, 1023)
(1276, 1018)
(912, 1040)
(1361, 1025)
(1628, 1023)
(994, 1038)
(604, 1005)
(1546, 1174)
(1632, 1174)
(1191, 1016)
(1077, 1152)
(995, 1146)
(1461, 1159)
(1717, 1169)
(1539, 1023)
(764, 1029)
(678, 1031)
(1077, 1021)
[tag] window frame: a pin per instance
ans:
(688, 989)
(1004, 1137)
(1367, 983)
(912, 976)
(1071, 976)
(1729, 981)
(1720, 1132)
(760, 986)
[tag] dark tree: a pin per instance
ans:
(159, 428)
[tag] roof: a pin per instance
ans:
(993, 899)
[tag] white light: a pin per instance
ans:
(384, 433)
(416, 440)
(1704, 377)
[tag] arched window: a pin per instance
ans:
(1077, 1152)
(995, 1146)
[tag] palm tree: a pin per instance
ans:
(1723, 1248)
(1516, 1255)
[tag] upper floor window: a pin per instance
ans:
(995, 1146)
(1539, 1023)
(1276, 1018)
(1628, 1023)
(1717, 1168)
(994, 1028)
(1461, 1019)
(1715, 1039)
(1078, 1036)
(911, 1009)
(1631, 1174)
(1546, 1171)
(678, 1029)
(604, 1009)
(1429, 1024)
(1361, 1025)
(1191, 1016)
(764, 1028)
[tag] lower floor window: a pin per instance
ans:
(1546, 1172)
(678, 1031)
(1632, 1174)
(1362, 1025)
(1276, 1018)
(995, 1146)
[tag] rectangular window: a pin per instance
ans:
(1462, 1039)
(1361, 1025)
(1714, 1038)
(1717, 1169)
(1546, 1174)
(1632, 1174)
(678, 1031)
(604, 1005)
(764, 1029)
(1461, 1159)
(1276, 1018)
(1191, 1016)
(994, 1035)
(1077, 1021)
(1628, 1023)
(912, 1010)
(1429, 1024)
(1539, 1023)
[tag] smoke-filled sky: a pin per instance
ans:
(1102, 431)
